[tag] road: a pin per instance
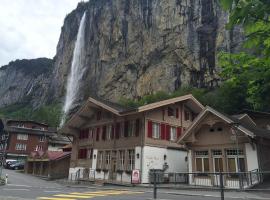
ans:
(25, 187)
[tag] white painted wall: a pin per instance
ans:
(153, 158)
(94, 160)
(252, 159)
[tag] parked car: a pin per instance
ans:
(17, 165)
(9, 162)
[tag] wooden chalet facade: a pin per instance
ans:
(112, 141)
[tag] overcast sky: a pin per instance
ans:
(31, 28)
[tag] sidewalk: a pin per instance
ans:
(228, 194)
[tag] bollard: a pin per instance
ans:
(221, 185)
(6, 180)
(155, 185)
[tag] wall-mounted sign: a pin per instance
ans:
(135, 177)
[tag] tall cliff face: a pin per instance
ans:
(137, 47)
(25, 82)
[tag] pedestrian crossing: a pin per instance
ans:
(88, 195)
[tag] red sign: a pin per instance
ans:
(135, 178)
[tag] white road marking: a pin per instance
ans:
(52, 191)
(21, 189)
(14, 185)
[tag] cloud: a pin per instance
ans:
(31, 28)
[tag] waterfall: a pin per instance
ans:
(77, 71)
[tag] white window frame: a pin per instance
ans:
(131, 159)
(39, 148)
(20, 147)
(108, 132)
(232, 156)
(203, 155)
(173, 133)
(122, 157)
(22, 136)
(42, 138)
(156, 130)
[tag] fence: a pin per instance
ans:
(219, 181)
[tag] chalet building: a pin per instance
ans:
(109, 141)
(18, 138)
(230, 144)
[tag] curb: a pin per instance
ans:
(217, 196)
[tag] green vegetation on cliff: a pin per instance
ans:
(49, 114)
(249, 70)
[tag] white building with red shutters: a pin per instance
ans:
(111, 140)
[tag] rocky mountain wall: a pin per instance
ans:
(137, 47)
(25, 82)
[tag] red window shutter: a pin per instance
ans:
(168, 128)
(137, 127)
(179, 131)
(177, 113)
(126, 128)
(97, 134)
(149, 130)
(117, 131)
(104, 133)
(163, 135)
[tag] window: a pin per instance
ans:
(82, 154)
(131, 159)
(170, 112)
(39, 148)
(20, 147)
(100, 160)
(219, 129)
(42, 138)
(186, 115)
(107, 160)
(99, 115)
(202, 161)
(91, 134)
(84, 133)
(132, 128)
(122, 159)
(3, 137)
(232, 163)
(109, 132)
(122, 129)
(156, 130)
(172, 133)
(22, 137)
(20, 125)
(90, 153)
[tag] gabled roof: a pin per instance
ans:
(249, 129)
(119, 110)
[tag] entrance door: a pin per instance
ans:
(218, 167)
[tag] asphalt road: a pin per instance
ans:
(23, 187)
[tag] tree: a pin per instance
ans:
(250, 68)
